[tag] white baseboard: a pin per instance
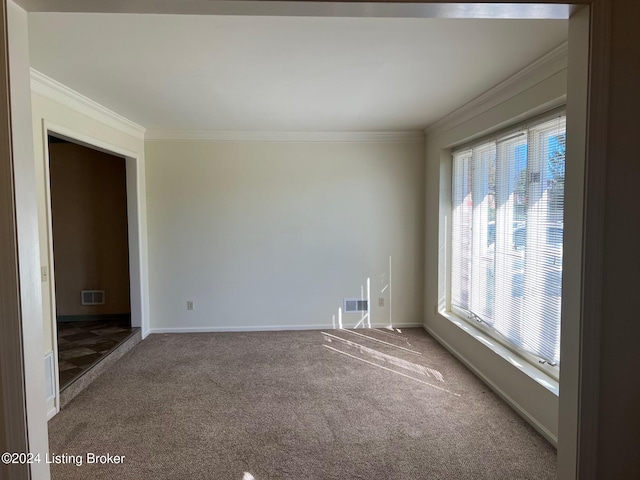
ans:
(52, 413)
(268, 328)
(553, 439)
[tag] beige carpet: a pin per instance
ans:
(365, 404)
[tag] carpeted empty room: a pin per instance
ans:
(335, 404)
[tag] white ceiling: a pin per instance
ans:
(263, 73)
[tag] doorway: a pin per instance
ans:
(88, 198)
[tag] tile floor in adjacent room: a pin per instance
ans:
(82, 344)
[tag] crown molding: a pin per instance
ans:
(285, 137)
(546, 66)
(49, 88)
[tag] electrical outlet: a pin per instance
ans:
(381, 302)
(189, 304)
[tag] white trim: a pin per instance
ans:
(521, 363)
(86, 140)
(546, 66)
(137, 252)
(553, 439)
(135, 219)
(328, 137)
(145, 331)
(307, 8)
(51, 281)
(52, 413)
(269, 328)
(53, 372)
(16, 359)
(49, 88)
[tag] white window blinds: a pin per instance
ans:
(507, 231)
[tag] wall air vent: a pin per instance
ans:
(49, 372)
(352, 305)
(92, 297)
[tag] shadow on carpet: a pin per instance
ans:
(337, 404)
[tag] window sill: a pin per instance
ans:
(518, 362)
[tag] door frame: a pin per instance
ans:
(13, 414)
(133, 223)
(585, 403)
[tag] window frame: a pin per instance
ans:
(499, 135)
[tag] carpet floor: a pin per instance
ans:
(340, 404)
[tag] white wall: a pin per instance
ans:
(27, 230)
(273, 235)
(534, 93)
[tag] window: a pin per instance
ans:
(506, 237)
